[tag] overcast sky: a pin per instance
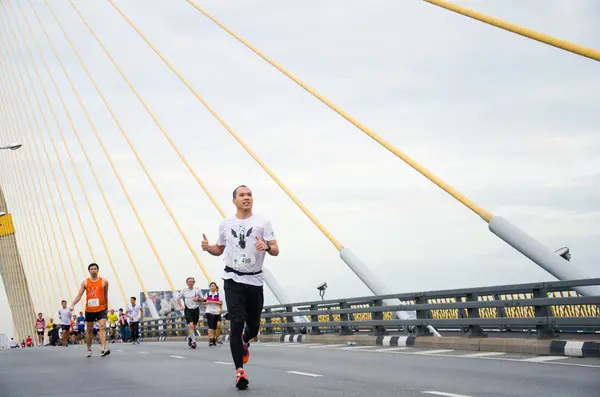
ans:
(509, 122)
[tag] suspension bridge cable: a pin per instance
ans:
(72, 123)
(162, 129)
(74, 203)
(40, 214)
(38, 179)
(36, 146)
(318, 224)
(485, 215)
(156, 254)
(522, 31)
(28, 132)
(29, 182)
(26, 211)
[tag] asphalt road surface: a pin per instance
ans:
(172, 368)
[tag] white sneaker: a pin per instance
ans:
(89, 353)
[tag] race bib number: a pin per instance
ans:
(242, 262)
(40, 329)
(93, 302)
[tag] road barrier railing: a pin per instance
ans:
(544, 308)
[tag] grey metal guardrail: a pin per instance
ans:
(546, 308)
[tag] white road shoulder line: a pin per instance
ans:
(434, 351)
(441, 393)
(143, 352)
(484, 354)
(392, 349)
(304, 374)
(357, 347)
(542, 359)
(177, 356)
(223, 363)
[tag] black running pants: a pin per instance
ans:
(244, 307)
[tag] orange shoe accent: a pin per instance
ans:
(241, 379)
(246, 356)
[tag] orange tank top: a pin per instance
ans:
(94, 291)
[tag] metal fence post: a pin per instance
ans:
(314, 318)
(474, 330)
(289, 320)
(344, 318)
(378, 329)
(422, 314)
(268, 320)
(544, 331)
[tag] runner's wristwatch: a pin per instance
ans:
(268, 246)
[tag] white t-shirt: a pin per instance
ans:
(188, 295)
(212, 307)
(134, 312)
(64, 316)
(239, 238)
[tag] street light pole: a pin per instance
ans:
(12, 146)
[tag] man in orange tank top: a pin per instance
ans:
(96, 293)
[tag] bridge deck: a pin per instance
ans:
(159, 369)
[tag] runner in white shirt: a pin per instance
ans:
(245, 239)
(191, 298)
(135, 313)
(212, 303)
(64, 318)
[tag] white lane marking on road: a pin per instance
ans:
(484, 354)
(296, 345)
(120, 350)
(357, 347)
(304, 374)
(177, 356)
(143, 352)
(327, 346)
(391, 349)
(441, 393)
(542, 359)
(223, 363)
(434, 351)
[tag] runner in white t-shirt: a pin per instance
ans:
(191, 298)
(134, 313)
(64, 319)
(213, 303)
(245, 239)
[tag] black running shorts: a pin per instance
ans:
(92, 317)
(192, 315)
(212, 320)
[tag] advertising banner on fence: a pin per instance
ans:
(165, 302)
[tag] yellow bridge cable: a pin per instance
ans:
(94, 129)
(26, 209)
(318, 224)
(485, 215)
(128, 140)
(32, 198)
(10, 277)
(66, 179)
(40, 161)
(29, 256)
(23, 114)
(511, 27)
(117, 174)
(164, 132)
(73, 126)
